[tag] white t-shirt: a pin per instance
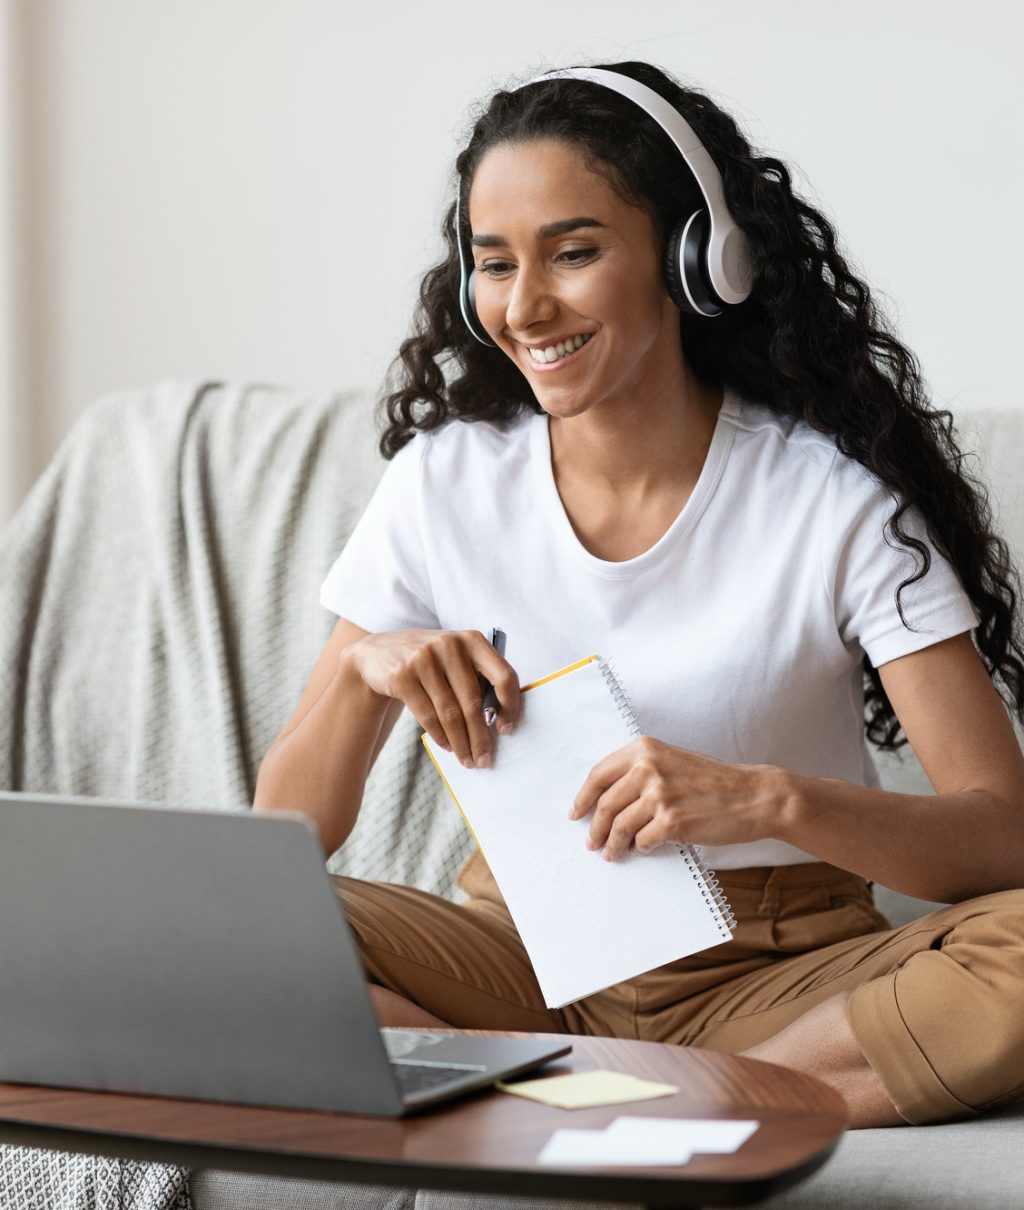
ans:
(738, 634)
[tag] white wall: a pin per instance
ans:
(250, 189)
(14, 440)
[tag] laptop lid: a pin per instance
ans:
(174, 952)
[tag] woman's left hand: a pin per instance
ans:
(649, 793)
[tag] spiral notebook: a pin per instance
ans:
(586, 923)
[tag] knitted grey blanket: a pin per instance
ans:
(159, 618)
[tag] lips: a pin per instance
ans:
(536, 357)
(558, 348)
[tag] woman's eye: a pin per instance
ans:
(575, 255)
(571, 256)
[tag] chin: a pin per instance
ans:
(569, 400)
(564, 410)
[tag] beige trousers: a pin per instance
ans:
(937, 1006)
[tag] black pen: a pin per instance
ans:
(491, 707)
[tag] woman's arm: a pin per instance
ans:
(967, 839)
(320, 760)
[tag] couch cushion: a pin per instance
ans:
(977, 1164)
(217, 1190)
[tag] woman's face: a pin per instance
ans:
(561, 257)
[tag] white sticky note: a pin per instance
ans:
(573, 1147)
(581, 1147)
(707, 1135)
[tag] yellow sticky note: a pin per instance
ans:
(583, 1089)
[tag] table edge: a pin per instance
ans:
(602, 1185)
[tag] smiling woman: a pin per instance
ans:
(580, 305)
(648, 411)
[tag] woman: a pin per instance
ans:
(757, 514)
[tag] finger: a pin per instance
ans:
(430, 675)
(624, 828)
(451, 676)
(499, 673)
(615, 799)
(599, 780)
(649, 838)
(420, 705)
(465, 683)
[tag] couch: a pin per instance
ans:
(158, 621)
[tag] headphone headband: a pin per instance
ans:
(728, 263)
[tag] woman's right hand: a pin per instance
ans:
(436, 674)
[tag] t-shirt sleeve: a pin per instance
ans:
(865, 565)
(380, 580)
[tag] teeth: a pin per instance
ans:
(561, 349)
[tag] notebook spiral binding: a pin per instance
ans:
(621, 698)
(711, 889)
(709, 886)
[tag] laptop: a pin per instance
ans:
(203, 954)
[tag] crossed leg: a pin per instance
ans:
(821, 1043)
(935, 1003)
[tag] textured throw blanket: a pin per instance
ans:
(159, 618)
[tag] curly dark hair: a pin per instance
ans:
(809, 342)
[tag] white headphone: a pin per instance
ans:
(707, 258)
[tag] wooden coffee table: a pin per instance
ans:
(485, 1143)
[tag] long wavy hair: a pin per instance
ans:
(808, 343)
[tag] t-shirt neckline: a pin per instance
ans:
(689, 514)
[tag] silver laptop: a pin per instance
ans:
(203, 954)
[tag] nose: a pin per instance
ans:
(530, 299)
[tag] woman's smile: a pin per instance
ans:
(542, 359)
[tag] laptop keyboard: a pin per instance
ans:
(417, 1075)
(413, 1077)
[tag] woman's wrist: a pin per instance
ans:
(351, 680)
(782, 803)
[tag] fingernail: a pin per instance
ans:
(467, 762)
(505, 728)
(485, 761)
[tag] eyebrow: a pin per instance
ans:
(548, 231)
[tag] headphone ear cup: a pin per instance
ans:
(673, 273)
(471, 297)
(468, 302)
(686, 275)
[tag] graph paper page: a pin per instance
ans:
(586, 923)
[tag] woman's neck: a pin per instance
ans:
(640, 448)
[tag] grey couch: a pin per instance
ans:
(158, 620)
